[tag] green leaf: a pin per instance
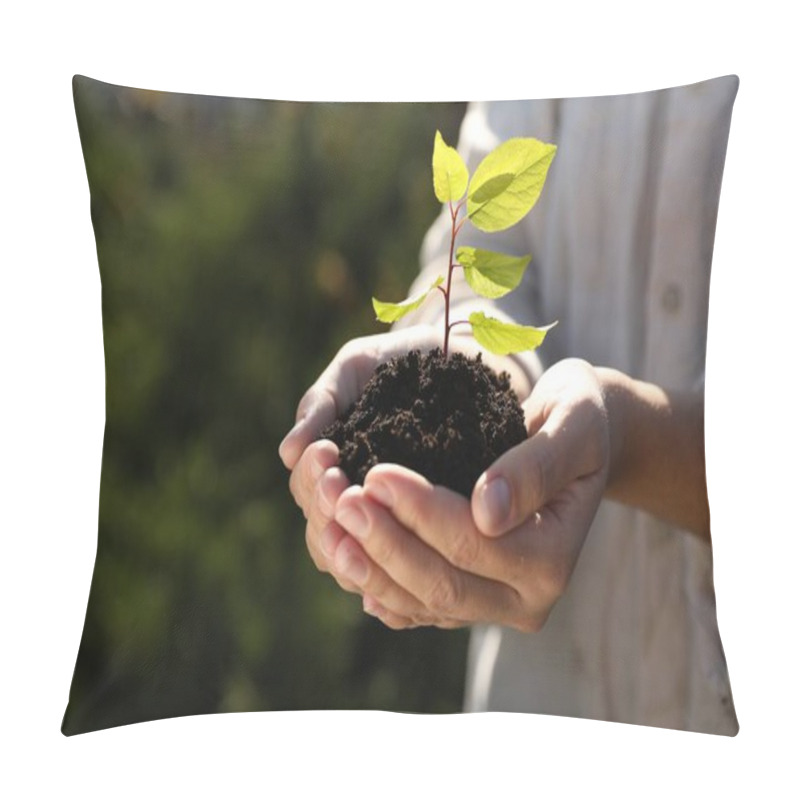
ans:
(491, 274)
(450, 174)
(507, 183)
(391, 312)
(502, 338)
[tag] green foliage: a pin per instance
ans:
(391, 312)
(450, 175)
(491, 274)
(504, 188)
(232, 266)
(503, 338)
(507, 183)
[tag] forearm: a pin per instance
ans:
(657, 451)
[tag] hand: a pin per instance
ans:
(316, 482)
(421, 554)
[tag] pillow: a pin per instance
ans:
(239, 242)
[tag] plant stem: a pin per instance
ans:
(459, 322)
(450, 267)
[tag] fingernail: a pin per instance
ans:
(380, 492)
(495, 499)
(353, 568)
(372, 606)
(331, 485)
(353, 520)
(290, 435)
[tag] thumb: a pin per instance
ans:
(528, 476)
(316, 410)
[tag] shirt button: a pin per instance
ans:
(671, 298)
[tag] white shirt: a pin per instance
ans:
(621, 240)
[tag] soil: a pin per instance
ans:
(447, 419)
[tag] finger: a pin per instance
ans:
(316, 458)
(332, 483)
(342, 382)
(394, 621)
(525, 478)
(391, 620)
(443, 520)
(322, 554)
(316, 410)
(555, 538)
(447, 593)
(440, 517)
(327, 492)
(339, 385)
(350, 563)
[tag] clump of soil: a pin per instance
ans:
(447, 419)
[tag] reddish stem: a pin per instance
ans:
(450, 266)
(459, 322)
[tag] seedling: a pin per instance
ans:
(503, 189)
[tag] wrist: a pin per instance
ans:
(615, 390)
(657, 457)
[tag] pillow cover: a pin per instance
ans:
(239, 242)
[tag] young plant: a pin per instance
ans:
(503, 189)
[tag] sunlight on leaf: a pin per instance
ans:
(492, 188)
(391, 312)
(507, 183)
(491, 274)
(450, 175)
(502, 338)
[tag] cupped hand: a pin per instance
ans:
(423, 555)
(316, 482)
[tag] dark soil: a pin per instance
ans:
(447, 419)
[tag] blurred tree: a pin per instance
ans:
(239, 242)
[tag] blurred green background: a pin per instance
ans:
(239, 242)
